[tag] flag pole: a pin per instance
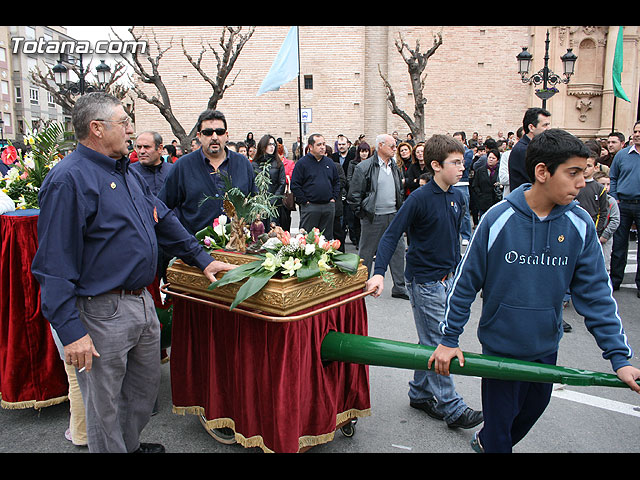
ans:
(613, 117)
(299, 96)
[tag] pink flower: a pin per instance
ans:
(285, 238)
(9, 155)
(326, 246)
(216, 222)
(336, 244)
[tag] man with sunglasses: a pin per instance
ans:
(99, 231)
(195, 186)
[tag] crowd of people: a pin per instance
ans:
(410, 206)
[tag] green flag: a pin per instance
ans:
(617, 68)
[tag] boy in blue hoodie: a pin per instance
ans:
(527, 251)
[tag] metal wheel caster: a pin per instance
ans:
(349, 429)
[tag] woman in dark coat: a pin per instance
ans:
(486, 183)
(266, 153)
(417, 168)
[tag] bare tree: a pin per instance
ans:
(231, 42)
(416, 65)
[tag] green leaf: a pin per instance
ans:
(252, 286)
(308, 270)
(347, 262)
(237, 274)
(206, 231)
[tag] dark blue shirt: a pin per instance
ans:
(432, 219)
(154, 175)
(195, 191)
(99, 229)
(315, 181)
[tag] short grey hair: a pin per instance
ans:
(383, 138)
(92, 106)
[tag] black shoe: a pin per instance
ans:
(469, 419)
(566, 327)
(429, 407)
(400, 295)
(150, 448)
(638, 293)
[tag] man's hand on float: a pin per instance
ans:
(215, 267)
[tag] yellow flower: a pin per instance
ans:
(323, 263)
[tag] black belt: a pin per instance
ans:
(629, 201)
(119, 291)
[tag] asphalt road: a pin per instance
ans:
(578, 419)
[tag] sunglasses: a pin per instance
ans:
(207, 132)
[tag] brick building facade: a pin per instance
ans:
(472, 82)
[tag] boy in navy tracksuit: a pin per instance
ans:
(526, 252)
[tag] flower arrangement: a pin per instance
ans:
(304, 256)
(22, 182)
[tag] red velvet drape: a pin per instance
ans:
(31, 371)
(266, 380)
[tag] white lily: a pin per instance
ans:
(291, 265)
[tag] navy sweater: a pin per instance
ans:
(432, 219)
(195, 192)
(315, 181)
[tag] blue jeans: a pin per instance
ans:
(465, 228)
(428, 304)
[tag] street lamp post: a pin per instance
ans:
(60, 76)
(546, 77)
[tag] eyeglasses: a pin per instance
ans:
(207, 132)
(125, 123)
(457, 163)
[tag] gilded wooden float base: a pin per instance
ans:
(279, 297)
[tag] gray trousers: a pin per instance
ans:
(370, 235)
(120, 389)
(318, 215)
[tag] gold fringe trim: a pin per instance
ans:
(304, 442)
(36, 404)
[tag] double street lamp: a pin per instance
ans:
(60, 76)
(546, 77)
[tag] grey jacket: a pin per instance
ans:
(364, 184)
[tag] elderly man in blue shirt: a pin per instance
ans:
(99, 231)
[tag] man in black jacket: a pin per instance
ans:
(375, 195)
(536, 120)
(315, 183)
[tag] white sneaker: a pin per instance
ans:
(465, 242)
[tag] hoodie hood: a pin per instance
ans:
(519, 203)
